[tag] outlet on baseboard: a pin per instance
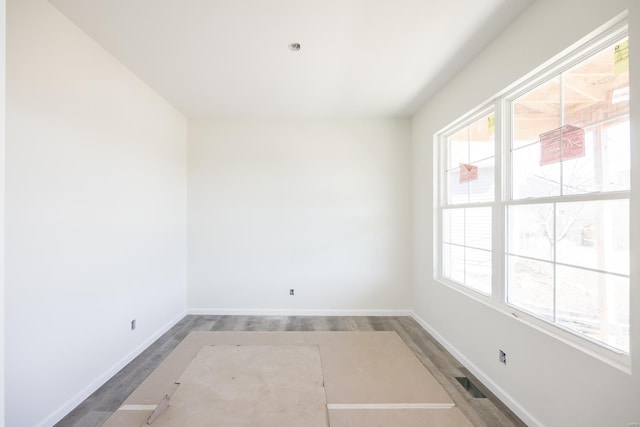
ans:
(133, 324)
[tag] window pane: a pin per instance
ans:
(481, 143)
(453, 226)
(467, 247)
(478, 270)
(453, 262)
(530, 286)
(593, 91)
(536, 112)
(478, 228)
(594, 235)
(531, 230)
(458, 148)
(605, 165)
(529, 178)
(594, 304)
(482, 189)
(616, 164)
(457, 192)
(470, 163)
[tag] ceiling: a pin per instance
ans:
(230, 58)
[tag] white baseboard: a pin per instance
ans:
(500, 393)
(98, 382)
(290, 312)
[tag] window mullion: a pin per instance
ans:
(498, 214)
(555, 265)
(555, 205)
(464, 239)
(561, 83)
(442, 161)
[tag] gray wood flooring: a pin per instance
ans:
(482, 412)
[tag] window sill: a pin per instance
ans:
(616, 359)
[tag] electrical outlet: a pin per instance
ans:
(291, 292)
(502, 357)
(133, 324)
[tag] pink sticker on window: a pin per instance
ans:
(468, 173)
(561, 144)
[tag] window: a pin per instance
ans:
(466, 218)
(535, 216)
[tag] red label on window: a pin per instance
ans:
(468, 173)
(561, 144)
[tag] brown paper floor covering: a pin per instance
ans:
(359, 372)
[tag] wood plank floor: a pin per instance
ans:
(482, 412)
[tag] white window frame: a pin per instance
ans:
(443, 204)
(501, 107)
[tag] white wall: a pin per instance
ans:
(95, 215)
(320, 206)
(545, 381)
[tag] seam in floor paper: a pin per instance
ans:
(390, 405)
(137, 408)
